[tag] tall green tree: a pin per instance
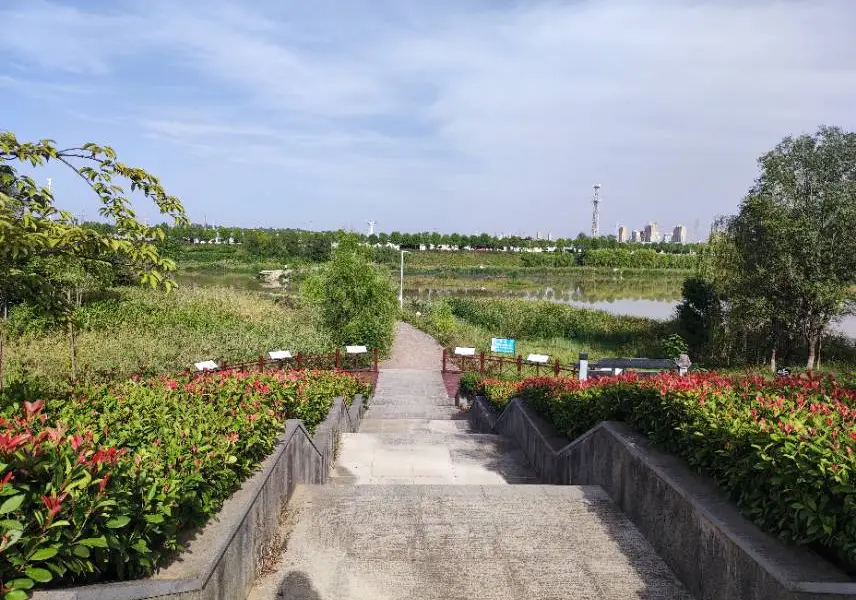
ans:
(791, 249)
(45, 252)
(356, 300)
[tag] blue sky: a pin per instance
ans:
(468, 115)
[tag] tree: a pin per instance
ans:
(356, 300)
(791, 249)
(34, 233)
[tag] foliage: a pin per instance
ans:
(637, 258)
(355, 299)
(782, 450)
(46, 256)
(136, 330)
(673, 346)
(786, 261)
(533, 320)
(698, 316)
(98, 483)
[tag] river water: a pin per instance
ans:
(653, 298)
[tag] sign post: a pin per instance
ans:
(684, 363)
(502, 346)
(583, 366)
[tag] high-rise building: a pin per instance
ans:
(635, 236)
(652, 233)
(679, 234)
(622, 234)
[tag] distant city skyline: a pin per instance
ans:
(451, 115)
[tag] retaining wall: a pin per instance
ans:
(716, 552)
(222, 559)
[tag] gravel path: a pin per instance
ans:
(414, 350)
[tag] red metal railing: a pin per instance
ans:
(490, 364)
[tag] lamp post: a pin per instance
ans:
(401, 282)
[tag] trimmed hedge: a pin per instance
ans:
(97, 485)
(782, 450)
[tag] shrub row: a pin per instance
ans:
(98, 483)
(782, 450)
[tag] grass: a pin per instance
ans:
(558, 330)
(135, 330)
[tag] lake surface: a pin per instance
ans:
(653, 298)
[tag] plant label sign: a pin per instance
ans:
(206, 365)
(279, 354)
(502, 345)
(356, 349)
(538, 358)
(465, 351)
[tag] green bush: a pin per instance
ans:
(782, 450)
(97, 484)
(356, 300)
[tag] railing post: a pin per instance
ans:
(519, 364)
(374, 360)
(481, 362)
(298, 358)
(337, 359)
(261, 363)
(583, 366)
(444, 359)
(556, 368)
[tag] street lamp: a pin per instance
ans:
(401, 282)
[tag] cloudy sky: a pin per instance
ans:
(468, 115)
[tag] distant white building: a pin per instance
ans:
(622, 234)
(679, 234)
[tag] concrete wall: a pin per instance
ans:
(222, 558)
(717, 553)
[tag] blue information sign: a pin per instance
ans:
(502, 346)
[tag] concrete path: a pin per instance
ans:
(420, 507)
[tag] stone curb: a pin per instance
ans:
(222, 558)
(715, 551)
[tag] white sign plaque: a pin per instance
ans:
(356, 349)
(465, 351)
(538, 358)
(206, 365)
(279, 354)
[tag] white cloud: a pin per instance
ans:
(401, 106)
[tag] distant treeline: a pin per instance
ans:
(200, 243)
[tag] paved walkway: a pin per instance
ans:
(420, 507)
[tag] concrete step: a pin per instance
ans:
(414, 457)
(414, 426)
(413, 411)
(431, 542)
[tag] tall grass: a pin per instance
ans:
(136, 330)
(558, 330)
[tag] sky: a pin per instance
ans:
(449, 115)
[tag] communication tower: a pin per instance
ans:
(595, 213)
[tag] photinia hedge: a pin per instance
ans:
(782, 450)
(98, 484)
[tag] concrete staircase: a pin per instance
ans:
(420, 507)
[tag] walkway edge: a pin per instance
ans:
(713, 549)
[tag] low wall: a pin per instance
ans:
(716, 552)
(222, 559)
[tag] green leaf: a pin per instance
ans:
(95, 542)
(118, 522)
(22, 583)
(61, 523)
(15, 595)
(43, 554)
(40, 575)
(11, 504)
(81, 551)
(154, 518)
